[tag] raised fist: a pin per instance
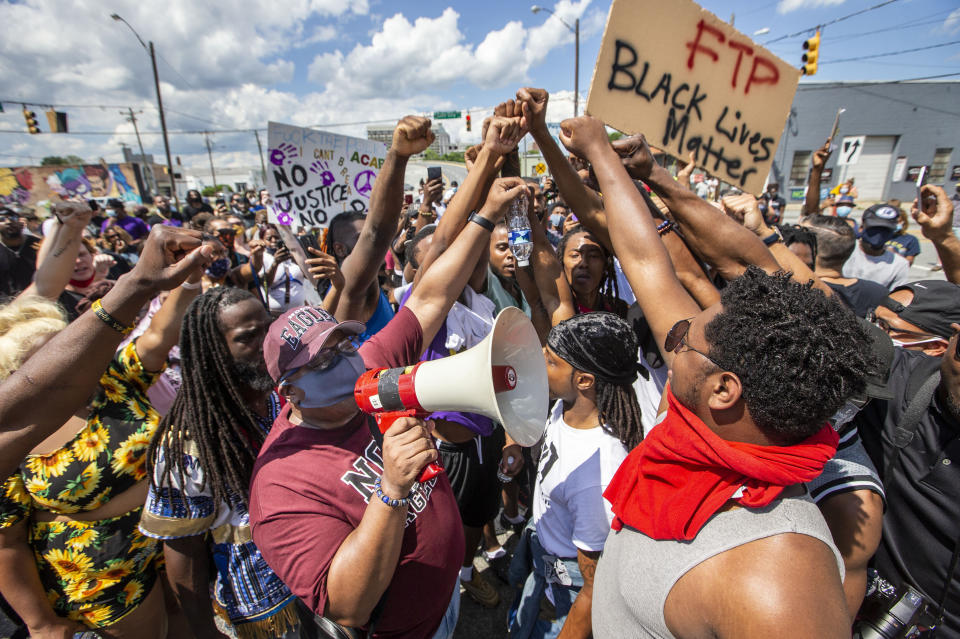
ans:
(412, 136)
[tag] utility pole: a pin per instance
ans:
(263, 167)
(213, 174)
(144, 165)
(576, 71)
(163, 127)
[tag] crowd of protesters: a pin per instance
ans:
(751, 433)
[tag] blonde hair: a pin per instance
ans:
(23, 323)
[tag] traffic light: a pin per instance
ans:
(468, 122)
(811, 46)
(31, 119)
(57, 121)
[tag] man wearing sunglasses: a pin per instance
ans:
(714, 535)
(18, 254)
(918, 316)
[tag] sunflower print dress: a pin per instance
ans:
(94, 572)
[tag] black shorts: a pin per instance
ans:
(475, 484)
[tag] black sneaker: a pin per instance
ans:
(503, 525)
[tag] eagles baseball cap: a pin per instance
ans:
(299, 335)
(879, 224)
(935, 305)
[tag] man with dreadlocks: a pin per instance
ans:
(591, 366)
(200, 464)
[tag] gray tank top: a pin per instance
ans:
(636, 573)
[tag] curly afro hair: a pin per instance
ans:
(798, 353)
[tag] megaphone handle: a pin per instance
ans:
(385, 421)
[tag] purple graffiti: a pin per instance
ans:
(282, 153)
(363, 183)
(323, 170)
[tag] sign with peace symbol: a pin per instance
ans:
(363, 183)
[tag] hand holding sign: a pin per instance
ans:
(412, 136)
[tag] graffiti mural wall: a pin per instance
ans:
(33, 185)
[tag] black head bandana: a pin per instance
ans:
(601, 344)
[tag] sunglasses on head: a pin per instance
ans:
(226, 231)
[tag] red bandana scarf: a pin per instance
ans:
(683, 473)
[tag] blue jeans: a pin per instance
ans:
(450, 617)
(524, 617)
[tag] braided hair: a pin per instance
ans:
(605, 346)
(209, 409)
(608, 291)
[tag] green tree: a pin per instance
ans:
(430, 154)
(56, 160)
(616, 135)
(454, 156)
(213, 190)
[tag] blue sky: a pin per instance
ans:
(237, 64)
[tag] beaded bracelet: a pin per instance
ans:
(393, 503)
(665, 227)
(109, 319)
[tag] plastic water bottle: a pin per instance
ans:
(519, 235)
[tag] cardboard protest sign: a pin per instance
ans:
(313, 175)
(691, 82)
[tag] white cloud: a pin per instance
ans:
(432, 53)
(786, 6)
(221, 64)
(952, 23)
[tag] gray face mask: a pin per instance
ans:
(335, 384)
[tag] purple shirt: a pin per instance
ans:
(136, 227)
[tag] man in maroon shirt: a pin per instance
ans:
(316, 501)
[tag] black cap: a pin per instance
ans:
(882, 348)
(935, 305)
(114, 203)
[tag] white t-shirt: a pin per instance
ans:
(889, 269)
(277, 295)
(576, 466)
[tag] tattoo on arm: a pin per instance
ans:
(59, 251)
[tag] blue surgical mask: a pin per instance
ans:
(843, 211)
(332, 385)
(844, 189)
(111, 213)
(218, 268)
(899, 227)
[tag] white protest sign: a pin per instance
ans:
(314, 175)
(691, 82)
(850, 149)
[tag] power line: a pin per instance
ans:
(835, 21)
(883, 55)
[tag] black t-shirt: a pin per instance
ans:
(922, 521)
(189, 211)
(17, 266)
(862, 296)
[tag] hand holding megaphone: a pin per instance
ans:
(504, 377)
(407, 448)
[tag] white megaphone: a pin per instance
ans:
(504, 377)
